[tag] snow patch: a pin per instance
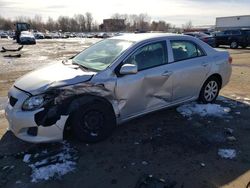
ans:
(51, 164)
(26, 158)
(47, 172)
(41, 58)
(227, 153)
(203, 110)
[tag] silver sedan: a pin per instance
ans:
(113, 81)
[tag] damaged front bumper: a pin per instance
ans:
(23, 125)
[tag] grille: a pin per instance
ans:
(13, 101)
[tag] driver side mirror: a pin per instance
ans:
(128, 69)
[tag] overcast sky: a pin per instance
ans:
(177, 12)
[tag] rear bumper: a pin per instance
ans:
(226, 75)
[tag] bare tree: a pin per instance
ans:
(188, 25)
(22, 19)
(89, 21)
(64, 23)
(160, 26)
(81, 21)
(50, 24)
(37, 22)
(143, 22)
(6, 24)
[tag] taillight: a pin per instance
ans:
(230, 60)
(205, 39)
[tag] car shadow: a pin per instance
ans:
(165, 144)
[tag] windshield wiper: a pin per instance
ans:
(79, 65)
(66, 62)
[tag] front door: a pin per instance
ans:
(151, 87)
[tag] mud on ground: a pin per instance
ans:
(181, 150)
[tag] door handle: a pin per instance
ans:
(204, 64)
(167, 73)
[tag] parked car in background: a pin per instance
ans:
(90, 35)
(55, 35)
(27, 37)
(48, 36)
(39, 35)
(102, 35)
(204, 37)
(233, 38)
(114, 80)
(4, 35)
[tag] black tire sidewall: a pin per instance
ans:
(202, 97)
(107, 128)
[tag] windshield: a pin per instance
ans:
(102, 54)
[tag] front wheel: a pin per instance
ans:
(210, 90)
(93, 122)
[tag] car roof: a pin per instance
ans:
(144, 36)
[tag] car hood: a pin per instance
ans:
(55, 75)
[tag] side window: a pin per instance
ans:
(236, 32)
(185, 50)
(228, 32)
(149, 56)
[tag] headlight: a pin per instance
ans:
(34, 102)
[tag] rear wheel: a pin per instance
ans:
(210, 90)
(243, 46)
(93, 122)
(234, 45)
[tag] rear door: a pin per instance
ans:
(190, 67)
(224, 37)
(248, 37)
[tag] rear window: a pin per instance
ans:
(228, 32)
(185, 50)
(247, 32)
(236, 32)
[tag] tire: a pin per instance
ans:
(93, 122)
(234, 45)
(210, 90)
(243, 46)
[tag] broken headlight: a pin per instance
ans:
(34, 102)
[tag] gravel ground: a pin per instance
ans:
(180, 145)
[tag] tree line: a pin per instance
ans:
(85, 23)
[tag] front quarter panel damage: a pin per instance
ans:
(69, 98)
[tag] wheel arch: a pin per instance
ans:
(79, 101)
(216, 76)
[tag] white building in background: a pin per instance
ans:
(232, 22)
